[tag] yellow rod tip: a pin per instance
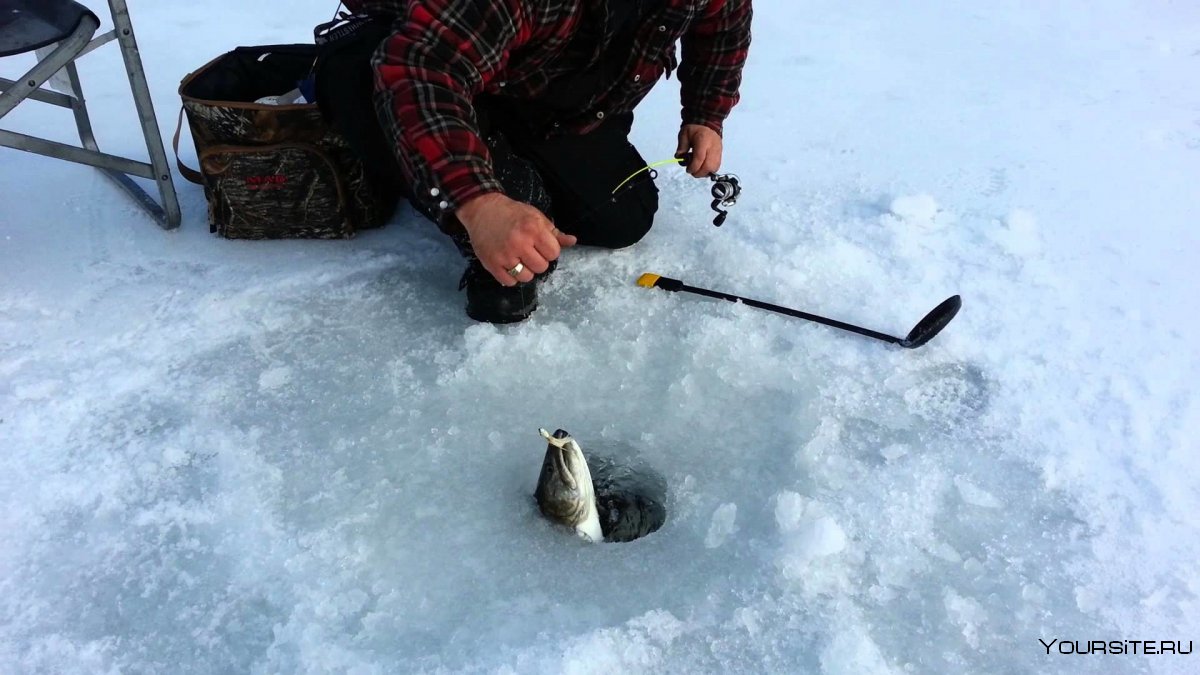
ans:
(648, 280)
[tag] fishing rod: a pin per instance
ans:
(925, 330)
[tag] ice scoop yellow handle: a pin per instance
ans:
(651, 280)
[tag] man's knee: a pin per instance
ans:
(625, 222)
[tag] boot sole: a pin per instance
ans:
(482, 315)
(500, 319)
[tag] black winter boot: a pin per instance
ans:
(489, 301)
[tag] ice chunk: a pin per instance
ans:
(967, 614)
(920, 208)
(975, 495)
(941, 549)
(808, 533)
(789, 510)
(824, 442)
(853, 652)
(820, 537)
(894, 451)
(274, 378)
(723, 525)
(1019, 234)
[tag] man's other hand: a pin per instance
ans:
(505, 232)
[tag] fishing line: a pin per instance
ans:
(650, 168)
(725, 190)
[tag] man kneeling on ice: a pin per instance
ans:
(506, 122)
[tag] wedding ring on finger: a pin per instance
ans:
(516, 270)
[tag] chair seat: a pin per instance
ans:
(26, 25)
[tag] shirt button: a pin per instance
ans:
(443, 205)
(502, 85)
(433, 192)
(662, 29)
(637, 78)
(600, 115)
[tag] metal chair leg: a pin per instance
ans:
(122, 179)
(170, 215)
(79, 109)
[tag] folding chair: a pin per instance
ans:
(29, 25)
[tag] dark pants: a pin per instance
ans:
(580, 173)
(570, 178)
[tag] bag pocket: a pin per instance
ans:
(289, 190)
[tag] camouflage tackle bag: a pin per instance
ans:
(272, 171)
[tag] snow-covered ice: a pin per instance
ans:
(221, 456)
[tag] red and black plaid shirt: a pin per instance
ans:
(443, 53)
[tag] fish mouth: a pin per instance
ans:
(557, 449)
(557, 439)
(560, 464)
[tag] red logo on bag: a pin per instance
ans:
(272, 182)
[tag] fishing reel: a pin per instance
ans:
(725, 192)
(725, 187)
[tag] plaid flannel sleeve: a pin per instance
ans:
(440, 55)
(710, 71)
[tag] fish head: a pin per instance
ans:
(564, 492)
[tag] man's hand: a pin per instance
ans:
(705, 146)
(505, 232)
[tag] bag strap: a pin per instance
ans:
(343, 26)
(191, 174)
